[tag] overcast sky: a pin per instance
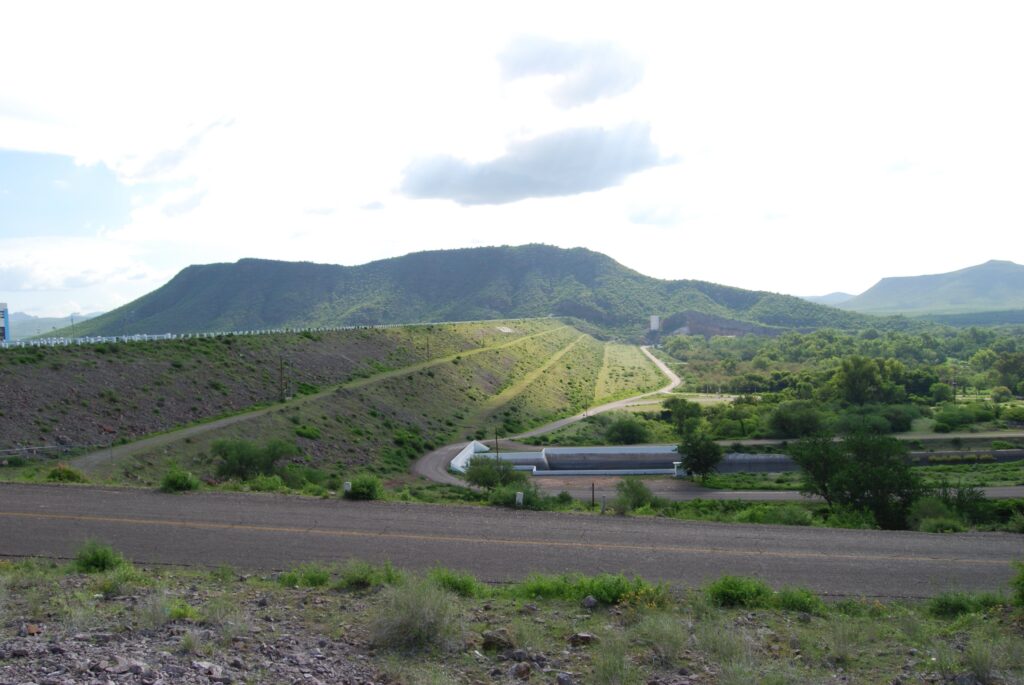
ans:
(798, 147)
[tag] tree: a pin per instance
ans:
(820, 459)
(858, 379)
(490, 473)
(1001, 394)
(940, 392)
(796, 419)
(700, 454)
(864, 471)
(685, 414)
(626, 430)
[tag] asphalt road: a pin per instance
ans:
(275, 532)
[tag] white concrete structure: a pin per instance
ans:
(655, 322)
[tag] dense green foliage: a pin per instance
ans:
(507, 282)
(796, 385)
(488, 473)
(861, 472)
(178, 479)
(244, 460)
(366, 486)
(96, 557)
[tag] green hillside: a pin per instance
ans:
(365, 398)
(451, 285)
(989, 287)
(25, 326)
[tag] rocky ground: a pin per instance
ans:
(361, 625)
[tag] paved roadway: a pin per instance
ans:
(275, 532)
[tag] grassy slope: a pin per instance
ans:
(392, 410)
(96, 394)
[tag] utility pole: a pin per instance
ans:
(497, 452)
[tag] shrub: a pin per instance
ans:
(928, 508)
(416, 616)
(488, 473)
(262, 483)
(62, 473)
(505, 496)
(308, 432)
(180, 610)
(663, 634)
(366, 486)
(605, 588)
(117, 581)
(627, 430)
(784, 515)
(178, 480)
(954, 604)
(799, 599)
(243, 459)
(944, 524)
(457, 582)
(95, 557)
(361, 575)
(306, 575)
(632, 494)
(736, 591)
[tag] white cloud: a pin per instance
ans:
(788, 120)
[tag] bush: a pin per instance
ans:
(633, 494)
(954, 604)
(736, 591)
(309, 432)
(928, 508)
(783, 515)
(799, 599)
(848, 517)
(627, 430)
(488, 473)
(457, 582)
(605, 588)
(306, 575)
(262, 483)
(942, 524)
(243, 460)
(366, 486)
(361, 575)
(178, 480)
(95, 557)
(505, 496)
(414, 617)
(62, 473)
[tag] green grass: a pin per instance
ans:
(96, 557)
(423, 631)
(625, 371)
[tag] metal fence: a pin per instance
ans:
(147, 337)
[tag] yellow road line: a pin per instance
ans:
(597, 546)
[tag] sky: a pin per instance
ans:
(795, 147)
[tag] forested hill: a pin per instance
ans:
(449, 285)
(989, 287)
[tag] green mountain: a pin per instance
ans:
(989, 287)
(832, 299)
(450, 285)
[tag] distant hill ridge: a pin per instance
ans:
(993, 286)
(448, 285)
